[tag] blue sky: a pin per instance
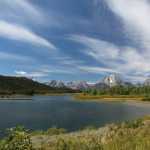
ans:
(75, 39)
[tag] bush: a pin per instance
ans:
(18, 139)
(78, 144)
(134, 135)
(146, 98)
(134, 124)
(50, 131)
(55, 131)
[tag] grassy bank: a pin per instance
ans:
(89, 97)
(134, 135)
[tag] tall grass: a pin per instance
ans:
(133, 135)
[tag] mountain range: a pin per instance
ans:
(108, 81)
(75, 85)
(22, 85)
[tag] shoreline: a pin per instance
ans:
(15, 97)
(82, 97)
(24, 96)
(108, 98)
(132, 101)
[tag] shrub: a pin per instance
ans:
(18, 139)
(55, 131)
(146, 98)
(79, 144)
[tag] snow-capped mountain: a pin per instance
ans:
(108, 81)
(57, 84)
(77, 85)
(112, 80)
(147, 82)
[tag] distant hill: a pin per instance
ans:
(22, 85)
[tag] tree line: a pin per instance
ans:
(119, 90)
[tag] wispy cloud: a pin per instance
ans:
(134, 14)
(14, 57)
(20, 73)
(136, 78)
(97, 70)
(44, 71)
(30, 13)
(30, 75)
(20, 33)
(22, 10)
(125, 60)
(97, 48)
(16, 19)
(55, 70)
(68, 61)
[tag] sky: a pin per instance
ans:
(75, 39)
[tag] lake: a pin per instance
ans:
(64, 112)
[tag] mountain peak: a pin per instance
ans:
(56, 84)
(78, 85)
(147, 82)
(112, 80)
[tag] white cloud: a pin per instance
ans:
(29, 12)
(11, 56)
(134, 61)
(97, 48)
(97, 70)
(20, 9)
(134, 14)
(116, 59)
(68, 61)
(21, 73)
(56, 70)
(20, 33)
(30, 75)
(43, 72)
(136, 78)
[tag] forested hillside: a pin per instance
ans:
(22, 85)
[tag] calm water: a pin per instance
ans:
(63, 112)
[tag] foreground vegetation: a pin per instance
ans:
(133, 135)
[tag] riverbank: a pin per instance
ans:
(87, 97)
(29, 97)
(56, 94)
(126, 136)
(15, 97)
(133, 135)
